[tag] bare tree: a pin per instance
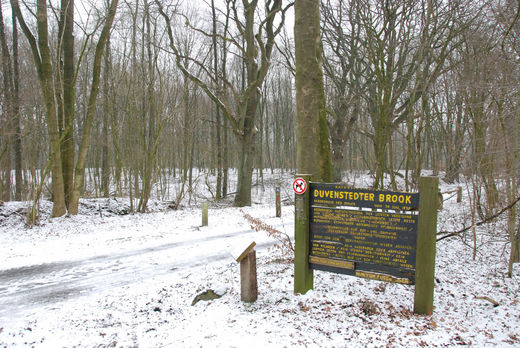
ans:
(253, 43)
(58, 102)
(382, 60)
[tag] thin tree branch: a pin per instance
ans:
(487, 219)
(222, 104)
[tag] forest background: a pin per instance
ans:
(120, 98)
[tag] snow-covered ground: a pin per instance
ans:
(101, 279)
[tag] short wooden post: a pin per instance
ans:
(246, 256)
(459, 194)
(426, 239)
(278, 203)
(248, 282)
(303, 275)
(205, 214)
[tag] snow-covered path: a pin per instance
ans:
(26, 289)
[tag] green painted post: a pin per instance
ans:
(303, 275)
(426, 239)
(205, 214)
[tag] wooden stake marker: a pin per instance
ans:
(248, 279)
(205, 214)
(278, 203)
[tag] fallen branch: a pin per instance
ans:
(489, 218)
(493, 302)
(450, 197)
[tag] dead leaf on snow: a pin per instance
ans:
(303, 307)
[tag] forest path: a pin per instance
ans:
(27, 289)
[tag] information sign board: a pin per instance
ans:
(383, 235)
(374, 244)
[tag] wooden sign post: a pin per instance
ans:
(278, 203)
(426, 246)
(248, 280)
(303, 275)
(373, 234)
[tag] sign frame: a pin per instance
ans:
(425, 203)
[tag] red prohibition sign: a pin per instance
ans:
(299, 186)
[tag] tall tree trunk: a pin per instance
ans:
(245, 170)
(79, 173)
(313, 149)
(218, 117)
(150, 109)
(17, 115)
(45, 74)
(66, 95)
(186, 129)
(8, 112)
(105, 172)
(225, 160)
(12, 108)
(225, 123)
(249, 109)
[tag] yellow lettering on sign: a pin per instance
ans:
(394, 198)
(331, 262)
(382, 277)
(357, 196)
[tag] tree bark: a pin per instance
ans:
(9, 112)
(218, 193)
(45, 74)
(313, 149)
(105, 166)
(79, 173)
(16, 108)
(65, 94)
(245, 170)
